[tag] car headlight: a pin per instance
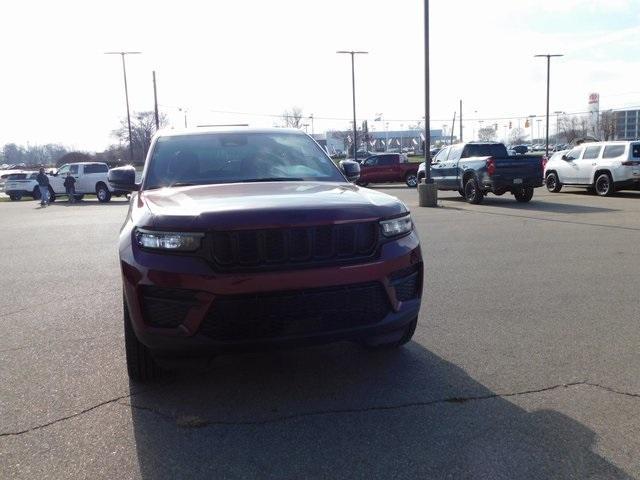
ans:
(175, 241)
(397, 226)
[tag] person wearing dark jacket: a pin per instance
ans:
(43, 185)
(70, 187)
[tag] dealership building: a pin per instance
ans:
(627, 124)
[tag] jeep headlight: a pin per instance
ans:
(397, 226)
(175, 241)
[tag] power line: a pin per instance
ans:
(467, 119)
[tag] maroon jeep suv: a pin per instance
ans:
(244, 238)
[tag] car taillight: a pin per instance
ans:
(544, 161)
(491, 166)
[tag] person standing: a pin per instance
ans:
(43, 185)
(70, 187)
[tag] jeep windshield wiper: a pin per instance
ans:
(273, 179)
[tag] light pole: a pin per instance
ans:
(353, 53)
(428, 191)
(558, 113)
(185, 115)
(126, 94)
(548, 56)
(401, 127)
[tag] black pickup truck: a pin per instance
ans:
(477, 168)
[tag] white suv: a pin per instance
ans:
(91, 178)
(603, 167)
(20, 184)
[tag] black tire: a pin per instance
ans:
(52, 195)
(411, 179)
(461, 192)
(524, 195)
(103, 193)
(78, 197)
(406, 338)
(141, 366)
(362, 184)
(604, 185)
(553, 183)
(472, 192)
(15, 197)
(421, 178)
(36, 193)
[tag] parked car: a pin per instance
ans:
(388, 168)
(477, 168)
(21, 184)
(238, 238)
(521, 149)
(91, 178)
(602, 167)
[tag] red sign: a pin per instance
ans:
(594, 98)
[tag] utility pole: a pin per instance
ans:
(155, 101)
(353, 53)
(126, 95)
(184, 110)
(453, 127)
(548, 56)
(461, 139)
(558, 113)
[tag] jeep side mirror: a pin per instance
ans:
(123, 178)
(350, 169)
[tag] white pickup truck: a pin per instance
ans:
(91, 178)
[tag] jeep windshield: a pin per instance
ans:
(211, 158)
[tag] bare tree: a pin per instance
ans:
(292, 118)
(573, 127)
(143, 127)
(517, 136)
(487, 134)
(607, 125)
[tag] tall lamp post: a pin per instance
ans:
(548, 57)
(427, 191)
(353, 53)
(126, 94)
(557, 114)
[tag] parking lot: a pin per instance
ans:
(525, 363)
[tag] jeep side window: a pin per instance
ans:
(613, 151)
(592, 152)
(455, 153)
(73, 169)
(574, 154)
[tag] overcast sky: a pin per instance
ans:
(263, 57)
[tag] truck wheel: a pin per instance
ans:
(52, 195)
(604, 185)
(552, 182)
(411, 180)
(461, 192)
(15, 197)
(78, 197)
(36, 193)
(362, 184)
(141, 366)
(409, 330)
(103, 193)
(524, 194)
(472, 193)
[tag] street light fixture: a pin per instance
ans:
(548, 57)
(353, 53)
(184, 110)
(126, 94)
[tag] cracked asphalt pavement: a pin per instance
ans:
(524, 364)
